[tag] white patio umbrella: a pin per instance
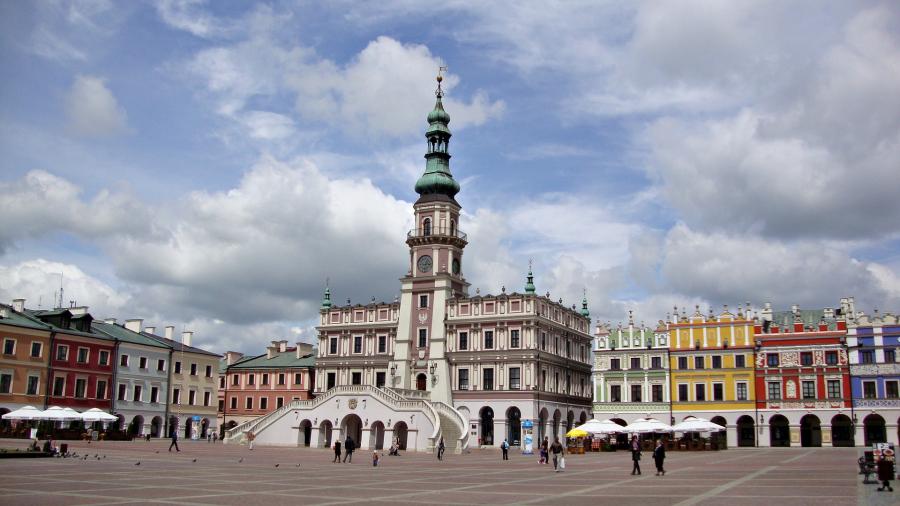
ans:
(696, 424)
(24, 413)
(595, 426)
(58, 414)
(97, 415)
(647, 426)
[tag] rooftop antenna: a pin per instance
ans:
(60, 305)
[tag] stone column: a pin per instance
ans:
(731, 435)
(794, 430)
(891, 429)
(499, 431)
(314, 438)
(364, 439)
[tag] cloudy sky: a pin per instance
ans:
(209, 164)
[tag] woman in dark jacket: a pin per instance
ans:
(886, 472)
(659, 455)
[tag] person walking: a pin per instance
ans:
(659, 455)
(441, 449)
(337, 452)
(558, 452)
(348, 449)
(504, 447)
(885, 468)
(545, 449)
(250, 437)
(174, 441)
(215, 436)
(635, 455)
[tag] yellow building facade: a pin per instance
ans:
(711, 365)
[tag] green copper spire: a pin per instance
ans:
(529, 286)
(584, 309)
(326, 300)
(437, 179)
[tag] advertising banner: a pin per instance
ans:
(527, 437)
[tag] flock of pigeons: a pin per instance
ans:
(76, 456)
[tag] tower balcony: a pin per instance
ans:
(443, 235)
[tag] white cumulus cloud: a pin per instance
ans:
(93, 110)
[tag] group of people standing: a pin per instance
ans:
(659, 456)
(349, 446)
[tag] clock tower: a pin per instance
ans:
(435, 268)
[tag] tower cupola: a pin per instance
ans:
(437, 179)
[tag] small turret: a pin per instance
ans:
(584, 308)
(529, 285)
(326, 300)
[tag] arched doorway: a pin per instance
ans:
(136, 427)
(325, 434)
(486, 418)
(204, 427)
(188, 428)
(514, 426)
(779, 431)
(400, 433)
(721, 437)
(542, 425)
(582, 419)
(746, 431)
(156, 427)
(5, 425)
(570, 419)
(376, 436)
(173, 426)
(621, 439)
(842, 431)
(421, 382)
(351, 426)
(305, 435)
(119, 424)
(557, 416)
(874, 429)
(810, 431)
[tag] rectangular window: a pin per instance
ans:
(488, 382)
(209, 371)
(423, 338)
(740, 361)
(235, 380)
(834, 389)
(32, 387)
(772, 359)
(615, 364)
(160, 365)
(869, 390)
(656, 392)
(298, 378)
(192, 397)
(193, 369)
(423, 301)
(143, 363)
(489, 339)
(515, 377)
(700, 392)
(635, 393)
(281, 378)
(234, 403)
(809, 389)
(265, 378)
(177, 367)
(9, 346)
(332, 346)
(80, 388)
(176, 396)
(682, 363)
(221, 405)
(248, 403)
(698, 363)
(635, 363)
(101, 390)
(716, 362)
(84, 354)
(568, 347)
(774, 390)
(683, 393)
(831, 357)
(154, 394)
(36, 349)
(806, 358)
(656, 362)
(514, 338)
(463, 379)
(463, 341)
(123, 360)
(62, 352)
(138, 393)
(380, 378)
(207, 397)
(123, 391)
(104, 358)
(59, 386)
(5, 383)
(382, 344)
(891, 390)
(867, 357)
(279, 402)
(357, 344)
(890, 356)
(264, 403)
(222, 382)
(356, 378)
(251, 379)
(331, 380)
(544, 341)
(742, 391)
(615, 393)
(718, 392)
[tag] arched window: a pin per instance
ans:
(426, 226)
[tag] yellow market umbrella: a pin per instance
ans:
(576, 433)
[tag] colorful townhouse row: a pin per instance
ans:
(790, 378)
(63, 357)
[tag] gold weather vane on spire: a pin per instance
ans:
(439, 92)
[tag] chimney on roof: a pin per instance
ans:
(4, 312)
(232, 357)
(110, 321)
(272, 350)
(18, 305)
(78, 310)
(150, 330)
(282, 346)
(135, 325)
(170, 331)
(186, 337)
(304, 349)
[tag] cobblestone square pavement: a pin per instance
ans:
(796, 476)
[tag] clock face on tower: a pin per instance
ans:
(424, 263)
(455, 266)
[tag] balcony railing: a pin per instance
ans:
(436, 232)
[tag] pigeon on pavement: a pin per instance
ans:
(139, 463)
